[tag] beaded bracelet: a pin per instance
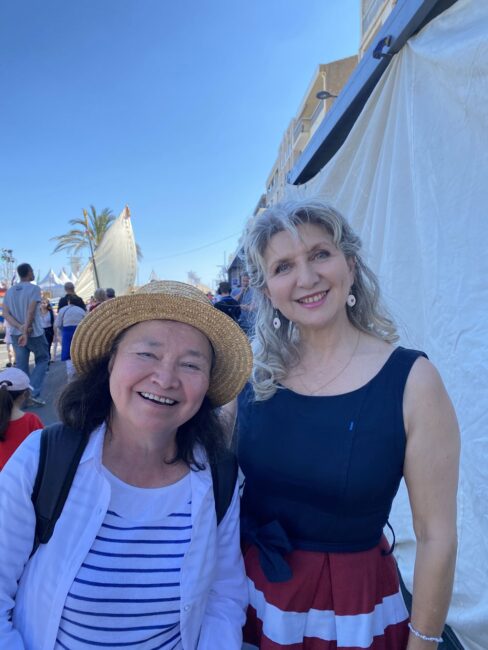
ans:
(434, 639)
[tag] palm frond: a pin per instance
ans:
(70, 240)
(77, 238)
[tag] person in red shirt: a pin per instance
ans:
(15, 425)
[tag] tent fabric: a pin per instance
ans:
(52, 283)
(412, 178)
(115, 260)
(63, 276)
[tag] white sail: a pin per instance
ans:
(115, 260)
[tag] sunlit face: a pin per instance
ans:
(308, 278)
(159, 376)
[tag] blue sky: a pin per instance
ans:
(176, 109)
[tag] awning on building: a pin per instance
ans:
(405, 20)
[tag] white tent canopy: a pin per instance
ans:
(51, 283)
(412, 179)
(63, 276)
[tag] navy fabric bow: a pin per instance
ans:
(272, 543)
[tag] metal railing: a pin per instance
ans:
(302, 126)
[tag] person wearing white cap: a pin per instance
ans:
(15, 425)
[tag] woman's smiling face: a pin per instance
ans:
(159, 376)
(308, 278)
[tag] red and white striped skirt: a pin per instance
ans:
(333, 600)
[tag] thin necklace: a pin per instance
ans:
(329, 381)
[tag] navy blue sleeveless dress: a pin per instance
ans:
(321, 474)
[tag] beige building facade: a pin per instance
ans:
(373, 15)
(330, 77)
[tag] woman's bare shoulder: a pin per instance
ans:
(375, 350)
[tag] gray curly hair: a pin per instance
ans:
(276, 351)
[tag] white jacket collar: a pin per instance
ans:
(94, 449)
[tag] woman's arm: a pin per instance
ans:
(225, 613)
(431, 474)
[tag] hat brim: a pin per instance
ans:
(94, 336)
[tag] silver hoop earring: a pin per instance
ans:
(351, 300)
(276, 320)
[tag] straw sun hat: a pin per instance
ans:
(176, 301)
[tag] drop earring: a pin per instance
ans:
(351, 300)
(276, 320)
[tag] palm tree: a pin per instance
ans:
(77, 238)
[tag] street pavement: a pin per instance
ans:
(54, 383)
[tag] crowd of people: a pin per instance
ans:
(42, 329)
(237, 302)
(298, 371)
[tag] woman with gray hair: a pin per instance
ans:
(334, 417)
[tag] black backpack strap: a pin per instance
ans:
(60, 453)
(224, 478)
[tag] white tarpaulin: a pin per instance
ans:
(412, 177)
(115, 260)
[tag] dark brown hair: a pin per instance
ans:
(24, 269)
(7, 399)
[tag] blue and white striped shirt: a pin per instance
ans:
(127, 591)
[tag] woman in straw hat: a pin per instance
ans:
(335, 416)
(136, 558)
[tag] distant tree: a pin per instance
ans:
(193, 278)
(7, 271)
(76, 239)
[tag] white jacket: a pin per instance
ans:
(213, 585)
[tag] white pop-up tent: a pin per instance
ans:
(52, 284)
(412, 177)
(63, 276)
